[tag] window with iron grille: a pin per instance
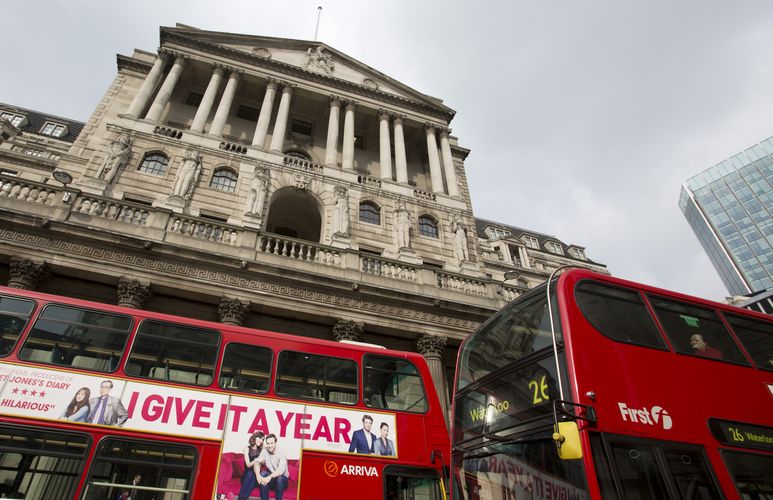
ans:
(428, 226)
(154, 163)
(224, 179)
(370, 213)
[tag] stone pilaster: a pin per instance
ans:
(232, 311)
(448, 163)
(345, 329)
(432, 348)
(26, 274)
(132, 293)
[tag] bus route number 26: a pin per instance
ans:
(539, 390)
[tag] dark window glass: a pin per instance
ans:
(40, 464)
(370, 213)
(756, 336)
(247, 113)
(14, 314)
(154, 163)
(618, 314)
(751, 472)
(246, 368)
(638, 472)
(194, 99)
(690, 472)
(301, 127)
(177, 353)
(224, 179)
(394, 384)
(118, 463)
(697, 331)
(317, 378)
(427, 226)
(408, 482)
(286, 231)
(80, 338)
(603, 473)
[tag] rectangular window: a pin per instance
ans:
(247, 113)
(176, 353)
(15, 119)
(14, 314)
(316, 378)
(53, 129)
(301, 127)
(756, 336)
(530, 241)
(10, 173)
(80, 338)
(246, 368)
(33, 152)
(498, 233)
(554, 248)
(193, 99)
(393, 384)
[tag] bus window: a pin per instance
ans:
(14, 314)
(407, 483)
(176, 353)
(316, 378)
(757, 337)
(618, 314)
(603, 474)
(394, 384)
(752, 473)
(690, 472)
(638, 471)
(246, 368)
(37, 463)
(132, 469)
(696, 331)
(80, 338)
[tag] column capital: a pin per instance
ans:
(232, 311)
(384, 114)
(218, 67)
(345, 329)
(132, 293)
(234, 71)
(26, 274)
(350, 103)
(287, 87)
(398, 118)
(431, 346)
(179, 57)
(335, 100)
(445, 132)
(271, 82)
(431, 127)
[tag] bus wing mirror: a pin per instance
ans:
(567, 438)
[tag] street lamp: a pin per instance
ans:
(511, 275)
(65, 178)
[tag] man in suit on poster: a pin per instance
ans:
(363, 439)
(107, 409)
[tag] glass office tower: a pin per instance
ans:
(729, 208)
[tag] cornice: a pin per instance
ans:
(29, 161)
(132, 64)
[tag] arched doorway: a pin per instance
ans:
(295, 213)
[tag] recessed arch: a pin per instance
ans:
(295, 213)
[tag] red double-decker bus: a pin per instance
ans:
(596, 387)
(98, 401)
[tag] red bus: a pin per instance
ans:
(598, 387)
(99, 401)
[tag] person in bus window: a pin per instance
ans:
(251, 465)
(107, 409)
(383, 445)
(702, 348)
(362, 440)
(132, 493)
(276, 475)
(78, 410)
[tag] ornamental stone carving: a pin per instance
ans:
(431, 346)
(301, 182)
(26, 274)
(187, 175)
(232, 311)
(370, 83)
(117, 155)
(262, 52)
(256, 197)
(459, 231)
(132, 293)
(345, 329)
(402, 226)
(317, 59)
(341, 212)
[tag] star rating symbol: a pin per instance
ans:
(24, 392)
(15, 390)
(42, 394)
(33, 393)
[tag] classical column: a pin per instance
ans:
(448, 163)
(200, 120)
(524, 257)
(26, 274)
(432, 348)
(434, 160)
(224, 108)
(143, 94)
(232, 311)
(132, 293)
(347, 330)
(384, 146)
(261, 129)
(165, 92)
(401, 165)
(347, 162)
(331, 148)
(280, 127)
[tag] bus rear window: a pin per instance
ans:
(316, 378)
(14, 314)
(696, 331)
(246, 368)
(393, 384)
(80, 338)
(757, 337)
(176, 353)
(618, 314)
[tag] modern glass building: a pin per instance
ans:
(729, 208)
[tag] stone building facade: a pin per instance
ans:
(271, 183)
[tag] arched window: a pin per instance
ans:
(427, 226)
(294, 153)
(370, 213)
(224, 179)
(154, 163)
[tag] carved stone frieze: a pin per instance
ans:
(431, 346)
(26, 274)
(347, 330)
(132, 293)
(232, 311)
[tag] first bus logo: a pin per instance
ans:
(655, 416)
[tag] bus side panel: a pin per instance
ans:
(204, 479)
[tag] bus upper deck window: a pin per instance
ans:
(756, 336)
(14, 314)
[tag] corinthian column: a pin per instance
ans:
(347, 162)
(448, 163)
(401, 165)
(261, 129)
(280, 127)
(432, 348)
(200, 120)
(165, 92)
(385, 148)
(132, 293)
(232, 311)
(26, 274)
(143, 94)
(435, 173)
(224, 108)
(331, 148)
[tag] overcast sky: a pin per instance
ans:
(584, 117)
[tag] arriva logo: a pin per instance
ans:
(652, 416)
(331, 469)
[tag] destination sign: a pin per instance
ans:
(743, 435)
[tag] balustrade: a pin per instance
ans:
(21, 190)
(300, 163)
(112, 209)
(306, 251)
(204, 230)
(458, 283)
(377, 266)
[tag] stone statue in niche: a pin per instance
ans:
(316, 58)
(461, 253)
(187, 175)
(341, 212)
(402, 226)
(117, 155)
(256, 197)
